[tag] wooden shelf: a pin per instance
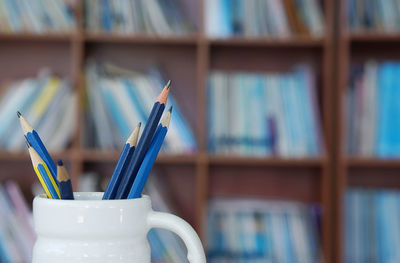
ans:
(190, 39)
(27, 37)
(375, 37)
(262, 161)
(24, 156)
(363, 162)
(269, 42)
(112, 156)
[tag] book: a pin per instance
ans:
(36, 16)
(124, 17)
(372, 227)
(263, 18)
(372, 109)
(17, 236)
(50, 107)
(373, 16)
(119, 99)
(256, 230)
(264, 114)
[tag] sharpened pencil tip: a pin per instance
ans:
(140, 124)
(60, 163)
(170, 109)
(168, 84)
(19, 114)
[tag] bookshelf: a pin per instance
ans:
(357, 171)
(187, 60)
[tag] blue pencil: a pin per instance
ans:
(144, 143)
(64, 182)
(150, 158)
(122, 164)
(42, 171)
(34, 140)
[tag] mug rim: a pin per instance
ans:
(44, 198)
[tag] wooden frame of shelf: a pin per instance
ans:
(317, 172)
(356, 47)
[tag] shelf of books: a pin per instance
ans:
(367, 146)
(248, 153)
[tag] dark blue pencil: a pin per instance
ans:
(144, 143)
(34, 140)
(150, 157)
(64, 182)
(122, 164)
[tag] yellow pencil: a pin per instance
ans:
(44, 175)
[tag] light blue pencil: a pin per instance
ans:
(122, 164)
(150, 157)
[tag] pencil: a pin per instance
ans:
(34, 140)
(122, 164)
(150, 157)
(64, 182)
(42, 171)
(144, 143)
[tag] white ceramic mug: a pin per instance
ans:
(89, 229)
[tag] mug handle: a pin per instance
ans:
(182, 229)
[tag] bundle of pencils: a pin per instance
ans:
(133, 167)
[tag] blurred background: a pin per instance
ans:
(284, 144)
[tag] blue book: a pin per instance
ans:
(114, 112)
(384, 108)
(288, 238)
(225, 19)
(106, 18)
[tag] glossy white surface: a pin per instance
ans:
(89, 229)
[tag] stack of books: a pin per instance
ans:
(136, 16)
(372, 15)
(255, 18)
(373, 123)
(50, 106)
(17, 236)
(264, 114)
(36, 16)
(119, 99)
(246, 230)
(372, 226)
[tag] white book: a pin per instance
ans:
(370, 107)
(16, 94)
(212, 11)
(278, 13)
(28, 9)
(66, 128)
(103, 128)
(129, 26)
(11, 232)
(156, 17)
(316, 16)
(53, 116)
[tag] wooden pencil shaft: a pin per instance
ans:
(148, 162)
(142, 147)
